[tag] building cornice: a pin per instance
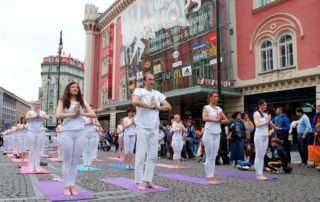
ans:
(112, 12)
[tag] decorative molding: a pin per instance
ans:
(291, 84)
(275, 24)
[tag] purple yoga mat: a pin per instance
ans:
(241, 175)
(54, 191)
(130, 185)
(186, 178)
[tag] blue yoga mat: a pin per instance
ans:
(120, 166)
(83, 168)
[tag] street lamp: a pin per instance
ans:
(218, 48)
(59, 64)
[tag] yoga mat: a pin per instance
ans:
(54, 192)
(120, 166)
(186, 178)
(98, 160)
(82, 168)
(55, 159)
(27, 170)
(241, 175)
(19, 160)
(115, 158)
(164, 165)
(130, 185)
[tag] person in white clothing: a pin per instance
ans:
(262, 122)
(72, 108)
(36, 133)
(129, 138)
(213, 117)
(120, 130)
(91, 138)
(178, 131)
(148, 103)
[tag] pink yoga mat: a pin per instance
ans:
(98, 160)
(27, 170)
(115, 158)
(130, 185)
(55, 159)
(243, 175)
(164, 165)
(54, 191)
(186, 178)
(19, 160)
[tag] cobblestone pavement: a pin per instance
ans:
(302, 185)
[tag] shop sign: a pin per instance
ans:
(198, 46)
(186, 71)
(200, 56)
(157, 69)
(214, 61)
(177, 64)
(147, 64)
(139, 75)
(212, 51)
(212, 82)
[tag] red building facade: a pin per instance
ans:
(277, 55)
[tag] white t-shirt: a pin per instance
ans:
(212, 127)
(258, 119)
(148, 118)
(131, 130)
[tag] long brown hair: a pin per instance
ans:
(66, 98)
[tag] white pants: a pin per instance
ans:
(72, 143)
(211, 143)
(35, 144)
(177, 146)
(59, 144)
(129, 142)
(147, 144)
(90, 146)
(261, 145)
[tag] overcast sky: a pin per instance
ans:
(29, 31)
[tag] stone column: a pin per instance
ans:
(89, 23)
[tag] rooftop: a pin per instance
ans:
(66, 60)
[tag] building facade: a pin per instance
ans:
(11, 108)
(175, 40)
(70, 70)
(277, 54)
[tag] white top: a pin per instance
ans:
(178, 130)
(120, 130)
(131, 130)
(74, 123)
(148, 118)
(36, 124)
(258, 120)
(212, 127)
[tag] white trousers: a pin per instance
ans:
(177, 146)
(35, 144)
(211, 143)
(72, 143)
(261, 145)
(129, 142)
(90, 147)
(147, 146)
(59, 144)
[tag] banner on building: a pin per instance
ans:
(186, 71)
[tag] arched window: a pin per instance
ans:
(266, 55)
(286, 52)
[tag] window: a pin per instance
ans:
(104, 66)
(286, 53)
(104, 96)
(262, 3)
(105, 40)
(266, 56)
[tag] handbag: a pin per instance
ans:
(314, 151)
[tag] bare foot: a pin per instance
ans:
(73, 191)
(141, 187)
(261, 177)
(213, 181)
(150, 185)
(67, 191)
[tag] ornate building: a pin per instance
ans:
(70, 70)
(177, 45)
(278, 58)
